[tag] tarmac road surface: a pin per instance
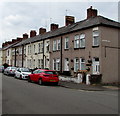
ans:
(21, 97)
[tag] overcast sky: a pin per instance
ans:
(17, 18)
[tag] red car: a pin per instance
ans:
(41, 76)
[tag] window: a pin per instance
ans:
(40, 47)
(34, 63)
(54, 45)
(47, 46)
(76, 41)
(96, 65)
(95, 37)
(20, 50)
(82, 64)
(29, 49)
(56, 64)
(66, 64)
(76, 64)
(66, 43)
(58, 44)
(82, 40)
(34, 48)
(38, 63)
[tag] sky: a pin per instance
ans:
(21, 16)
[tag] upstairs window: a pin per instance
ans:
(58, 44)
(34, 48)
(76, 41)
(54, 45)
(47, 46)
(82, 40)
(95, 37)
(66, 43)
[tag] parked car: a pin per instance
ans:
(22, 73)
(10, 70)
(41, 76)
(2, 69)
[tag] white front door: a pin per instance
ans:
(66, 65)
(96, 66)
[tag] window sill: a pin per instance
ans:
(66, 49)
(79, 48)
(95, 46)
(56, 51)
(82, 47)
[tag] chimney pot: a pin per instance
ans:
(32, 33)
(69, 20)
(54, 26)
(25, 36)
(91, 12)
(42, 30)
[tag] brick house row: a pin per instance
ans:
(90, 44)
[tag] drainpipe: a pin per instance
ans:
(61, 55)
(15, 58)
(22, 55)
(43, 54)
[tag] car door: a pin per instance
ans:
(37, 75)
(33, 75)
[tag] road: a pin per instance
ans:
(21, 97)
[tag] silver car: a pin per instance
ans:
(10, 71)
(22, 73)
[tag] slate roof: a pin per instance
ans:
(9, 46)
(87, 23)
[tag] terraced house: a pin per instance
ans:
(89, 45)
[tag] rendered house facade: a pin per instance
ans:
(90, 44)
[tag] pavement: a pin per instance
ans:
(82, 86)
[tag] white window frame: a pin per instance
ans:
(66, 43)
(82, 40)
(76, 41)
(76, 64)
(82, 63)
(54, 45)
(58, 44)
(96, 66)
(38, 47)
(58, 64)
(66, 64)
(96, 36)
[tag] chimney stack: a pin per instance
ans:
(32, 33)
(42, 30)
(54, 26)
(25, 36)
(69, 20)
(19, 39)
(91, 12)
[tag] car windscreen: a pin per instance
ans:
(50, 72)
(13, 67)
(25, 70)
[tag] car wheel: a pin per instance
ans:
(29, 80)
(40, 82)
(56, 83)
(15, 76)
(20, 77)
